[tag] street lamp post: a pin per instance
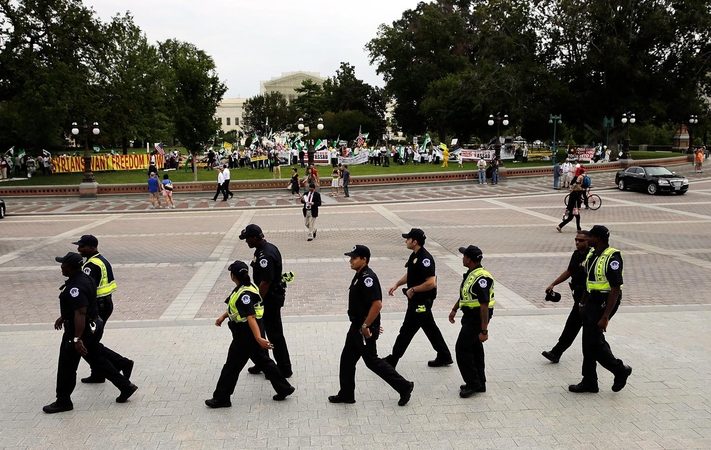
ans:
(88, 188)
(499, 121)
(628, 119)
(693, 120)
(305, 126)
(608, 123)
(555, 120)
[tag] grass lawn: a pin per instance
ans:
(140, 176)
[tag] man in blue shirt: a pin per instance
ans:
(154, 190)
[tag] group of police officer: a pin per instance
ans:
(254, 314)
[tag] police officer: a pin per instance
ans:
(603, 269)
(576, 273)
(421, 292)
(83, 329)
(244, 311)
(266, 271)
(365, 300)
(100, 270)
(476, 300)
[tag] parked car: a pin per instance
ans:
(652, 179)
(2, 209)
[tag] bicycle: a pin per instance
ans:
(594, 200)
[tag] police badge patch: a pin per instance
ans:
(74, 292)
(483, 283)
(87, 271)
(368, 282)
(246, 299)
(615, 265)
(426, 262)
(263, 263)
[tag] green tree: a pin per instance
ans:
(272, 106)
(345, 92)
(311, 102)
(194, 90)
(49, 51)
(346, 125)
(132, 86)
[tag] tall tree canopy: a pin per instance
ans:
(448, 64)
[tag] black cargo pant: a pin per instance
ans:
(595, 347)
(243, 348)
(106, 308)
(69, 361)
(275, 333)
(419, 315)
(470, 350)
(354, 349)
(572, 325)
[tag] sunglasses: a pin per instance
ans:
(580, 240)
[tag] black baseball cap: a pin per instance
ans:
(88, 240)
(251, 230)
(72, 259)
(238, 266)
(473, 252)
(600, 231)
(359, 250)
(415, 234)
(552, 296)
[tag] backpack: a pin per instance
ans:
(586, 181)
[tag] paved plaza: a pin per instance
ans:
(171, 269)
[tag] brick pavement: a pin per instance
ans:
(172, 267)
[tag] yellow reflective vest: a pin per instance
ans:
(599, 282)
(232, 311)
(107, 284)
(465, 299)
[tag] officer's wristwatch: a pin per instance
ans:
(364, 325)
(485, 332)
(76, 339)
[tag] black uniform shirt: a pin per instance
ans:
(363, 291)
(420, 266)
(266, 266)
(481, 290)
(613, 271)
(78, 291)
(576, 267)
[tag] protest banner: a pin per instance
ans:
(103, 163)
(476, 155)
(360, 158)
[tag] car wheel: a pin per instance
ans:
(621, 185)
(652, 188)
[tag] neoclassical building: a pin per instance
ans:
(288, 82)
(229, 111)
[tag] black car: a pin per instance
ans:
(2, 209)
(651, 179)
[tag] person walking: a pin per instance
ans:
(495, 163)
(99, 269)
(276, 166)
(567, 171)
(576, 273)
(244, 311)
(168, 191)
(481, 166)
(365, 300)
(154, 188)
(602, 297)
(226, 183)
(83, 328)
(476, 300)
(220, 186)
(312, 202)
(335, 176)
(267, 275)
(572, 210)
(699, 157)
(421, 292)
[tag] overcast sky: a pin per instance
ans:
(256, 40)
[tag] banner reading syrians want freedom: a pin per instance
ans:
(102, 163)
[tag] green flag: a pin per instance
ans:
(426, 141)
